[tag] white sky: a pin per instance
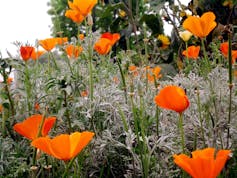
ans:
(25, 21)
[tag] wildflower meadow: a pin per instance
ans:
(111, 95)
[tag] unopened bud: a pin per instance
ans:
(89, 20)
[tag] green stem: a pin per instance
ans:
(125, 124)
(91, 78)
(5, 116)
(27, 87)
(207, 62)
(38, 135)
(186, 48)
(146, 54)
(157, 121)
(53, 59)
(200, 117)
(142, 124)
(123, 80)
(8, 93)
(68, 166)
(181, 130)
(90, 56)
(34, 157)
(67, 112)
(69, 65)
(230, 87)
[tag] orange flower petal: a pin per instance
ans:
(75, 16)
(173, 98)
(78, 141)
(208, 22)
(221, 158)
(183, 161)
(48, 124)
(193, 25)
(200, 26)
(112, 37)
(26, 52)
(61, 40)
(64, 146)
(9, 80)
(73, 51)
(208, 152)
(203, 162)
(60, 147)
(224, 47)
(192, 52)
(29, 128)
(84, 7)
(43, 143)
(103, 46)
(36, 54)
(48, 44)
(202, 167)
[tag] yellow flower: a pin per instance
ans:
(228, 3)
(165, 42)
(185, 35)
(122, 13)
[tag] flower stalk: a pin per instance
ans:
(230, 88)
(68, 166)
(123, 80)
(181, 130)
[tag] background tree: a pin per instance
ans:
(61, 25)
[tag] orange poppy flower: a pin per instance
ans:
(64, 146)
(73, 51)
(29, 128)
(9, 80)
(103, 46)
(153, 74)
(36, 54)
(173, 98)
(81, 36)
(112, 37)
(1, 108)
(61, 40)
(200, 26)
(37, 106)
(133, 70)
(203, 163)
(116, 80)
(224, 47)
(26, 52)
(192, 52)
(105, 43)
(49, 43)
(83, 7)
(75, 16)
(84, 93)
